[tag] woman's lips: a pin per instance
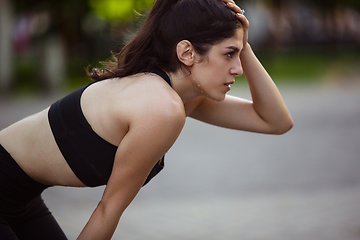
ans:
(228, 84)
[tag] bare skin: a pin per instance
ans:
(143, 110)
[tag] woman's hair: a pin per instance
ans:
(202, 22)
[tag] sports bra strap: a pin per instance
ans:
(162, 74)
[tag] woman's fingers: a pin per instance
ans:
(240, 15)
(243, 20)
(232, 5)
(239, 12)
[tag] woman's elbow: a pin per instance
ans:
(284, 127)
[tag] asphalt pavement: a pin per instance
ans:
(224, 184)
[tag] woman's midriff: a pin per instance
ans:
(31, 143)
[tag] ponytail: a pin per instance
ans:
(142, 46)
(162, 6)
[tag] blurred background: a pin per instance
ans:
(217, 183)
(46, 45)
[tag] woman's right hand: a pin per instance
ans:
(240, 15)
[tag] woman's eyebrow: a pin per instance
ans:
(235, 49)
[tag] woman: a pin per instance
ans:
(113, 132)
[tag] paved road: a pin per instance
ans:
(222, 184)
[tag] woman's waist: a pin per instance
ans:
(32, 145)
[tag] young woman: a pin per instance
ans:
(114, 131)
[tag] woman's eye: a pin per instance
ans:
(230, 55)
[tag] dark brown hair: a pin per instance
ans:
(202, 22)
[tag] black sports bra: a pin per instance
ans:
(89, 156)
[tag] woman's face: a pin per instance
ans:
(214, 74)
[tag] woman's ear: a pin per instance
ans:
(185, 52)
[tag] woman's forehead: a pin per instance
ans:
(236, 41)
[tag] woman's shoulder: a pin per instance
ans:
(148, 100)
(134, 86)
(112, 106)
(150, 92)
(140, 94)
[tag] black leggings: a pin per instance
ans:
(23, 213)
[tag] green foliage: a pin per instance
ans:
(309, 65)
(25, 75)
(119, 10)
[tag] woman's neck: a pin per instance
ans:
(183, 84)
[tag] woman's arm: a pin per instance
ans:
(267, 113)
(152, 131)
(267, 101)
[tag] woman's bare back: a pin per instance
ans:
(31, 143)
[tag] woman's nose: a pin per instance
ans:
(237, 69)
